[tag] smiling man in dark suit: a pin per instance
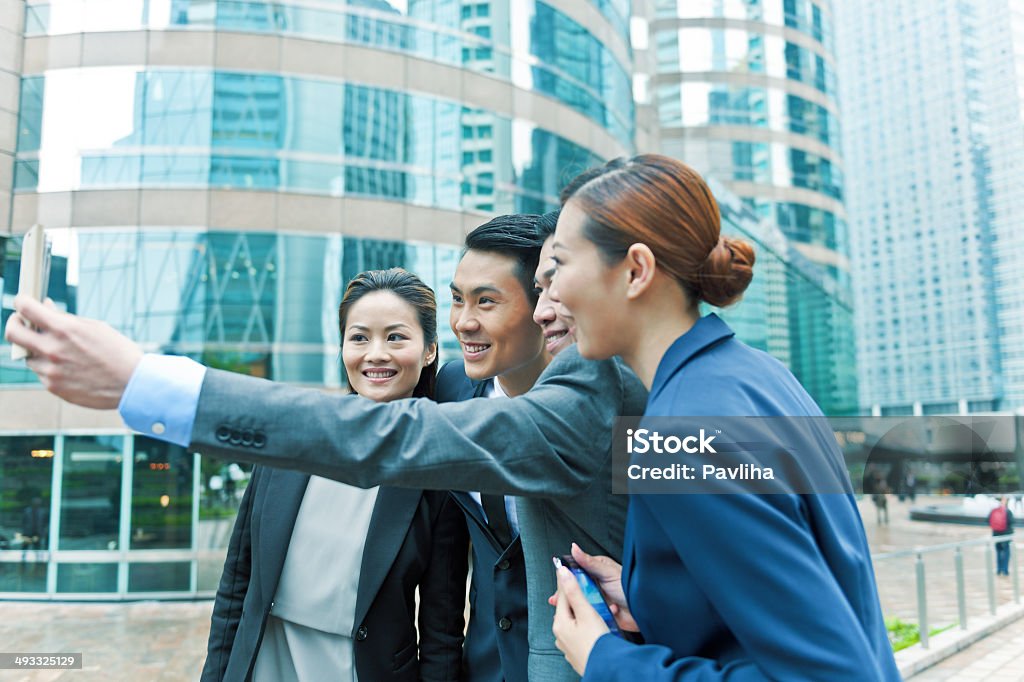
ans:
(503, 354)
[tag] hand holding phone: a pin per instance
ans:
(34, 275)
(590, 590)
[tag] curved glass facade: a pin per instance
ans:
(263, 304)
(696, 50)
(528, 43)
(727, 72)
(720, 104)
(807, 225)
(200, 128)
(779, 165)
(617, 12)
(806, 16)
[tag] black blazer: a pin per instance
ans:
(496, 643)
(415, 538)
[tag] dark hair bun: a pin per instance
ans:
(727, 272)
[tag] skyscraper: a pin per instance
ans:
(932, 95)
(746, 93)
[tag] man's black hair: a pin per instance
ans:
(514, 236)
(586, 176)
(546, 224)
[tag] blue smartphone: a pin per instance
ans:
(590, 590)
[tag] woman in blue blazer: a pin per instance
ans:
(738, 586)
(321, 578)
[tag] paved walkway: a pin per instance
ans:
(135, 641)
(997, 658)
(167, 641)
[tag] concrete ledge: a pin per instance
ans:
(916, 659)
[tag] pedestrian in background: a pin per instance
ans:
(1000, 520)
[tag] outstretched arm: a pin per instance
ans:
(550, 441)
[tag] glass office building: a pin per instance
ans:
(936, 193)
(745, 91)
(212, 173)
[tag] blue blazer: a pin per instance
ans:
(496, 647)
(743, 586)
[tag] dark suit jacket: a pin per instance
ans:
(414, 538)
(496, 643)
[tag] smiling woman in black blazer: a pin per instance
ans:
(320, 580)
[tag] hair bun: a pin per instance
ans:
(726, 272)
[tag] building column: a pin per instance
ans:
(12, 18)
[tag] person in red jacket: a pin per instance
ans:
(1000, 520)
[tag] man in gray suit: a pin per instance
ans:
(551, 446)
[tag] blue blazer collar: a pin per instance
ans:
(706, 332)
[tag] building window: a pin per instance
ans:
(91, 493)
(26, 469)
(161, 496)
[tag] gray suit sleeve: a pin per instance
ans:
(549, 442)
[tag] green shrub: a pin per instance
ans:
(903, 634)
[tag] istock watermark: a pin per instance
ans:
(813, 455)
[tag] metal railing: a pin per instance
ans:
(958, 563)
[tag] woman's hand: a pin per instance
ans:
(607, 573)
(577, 626)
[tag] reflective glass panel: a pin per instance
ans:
(87, 577)
(26, 469)
(698, 50)
(222, 486)
(159, 577)
(805, 16)
(23, 576)
(161, 496)
(694, 104)
(90, 504)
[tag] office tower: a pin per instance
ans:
(931, 96)
(746, 93)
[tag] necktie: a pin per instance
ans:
(494, 507)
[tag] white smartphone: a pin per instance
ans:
(34, 275)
